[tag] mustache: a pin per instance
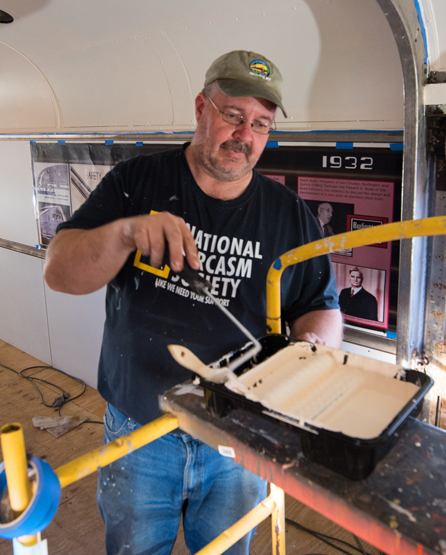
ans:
(237, 146)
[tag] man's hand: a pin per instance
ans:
(320, 326)
(151, 233)
(311, 338)
(80, 261)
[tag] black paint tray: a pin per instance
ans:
(347, 409)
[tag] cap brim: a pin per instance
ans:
(236, 87)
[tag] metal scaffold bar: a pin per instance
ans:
(242, 527)
(89, 463)
(16, 470)
(278, 521)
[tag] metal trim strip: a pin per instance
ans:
(37, 252)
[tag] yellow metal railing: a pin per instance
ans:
(273, 503)
(89, 463)
(351, 239)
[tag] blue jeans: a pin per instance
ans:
(143, 495)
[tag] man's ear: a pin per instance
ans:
(199, 106)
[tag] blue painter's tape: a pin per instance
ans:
(277, 264)
(423, 30)
(42, 507)
(32, 142)
(391, 334)
(108, 142)
(139, 143)
(60, 142)
(272, 144)
(396, 146)
(344, 146)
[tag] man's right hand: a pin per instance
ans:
(80, 261)
(151, 234)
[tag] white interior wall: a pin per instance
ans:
(75, 325)
(23, 321)
(17, 219)
(62, 330)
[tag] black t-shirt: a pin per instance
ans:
(148, 309)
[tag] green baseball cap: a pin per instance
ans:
(243, 73)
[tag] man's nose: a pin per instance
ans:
(244, 131)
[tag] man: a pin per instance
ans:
(356, 301)
(231, 223)
(324, 216)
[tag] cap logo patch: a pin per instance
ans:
(260, 68)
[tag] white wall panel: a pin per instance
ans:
(17, 219)
(58, 329)
(23, 321)
(75, 325)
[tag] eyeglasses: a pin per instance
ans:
(238, 119)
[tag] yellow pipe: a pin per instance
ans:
(351, 239)
(240, 528)
(278, 520)
(16, 470)
(89, 463)
(16, 467)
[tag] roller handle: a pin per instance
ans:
(198, 283)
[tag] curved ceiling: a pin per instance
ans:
(108, 66)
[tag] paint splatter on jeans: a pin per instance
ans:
(143, 495)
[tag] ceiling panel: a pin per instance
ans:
(110, 66)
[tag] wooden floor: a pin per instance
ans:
(77, 528)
